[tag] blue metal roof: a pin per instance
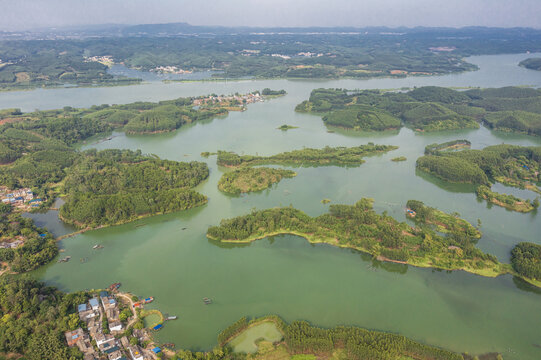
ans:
(81, 307)
(93, 302)
(156, 350)
(159, 326)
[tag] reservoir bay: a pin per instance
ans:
(168, 257)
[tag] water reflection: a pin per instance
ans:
(445, 185)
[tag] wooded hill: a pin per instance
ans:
(511, 165)
(531, 63)
(115, 186)
(429, 108)
(72, 125)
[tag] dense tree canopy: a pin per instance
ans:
(352, 156)
(526, 260)
(248, 179)
(115, 186)
(34, 318)
(429, 108)
(39, 246)
(360, 227)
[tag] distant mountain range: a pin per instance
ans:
(185, 29)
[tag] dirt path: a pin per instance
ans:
(130, 302)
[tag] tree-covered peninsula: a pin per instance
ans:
(505, 200)
(531, 63)
(248, 179)
(101, 188)
(352, 156)
(428, 108)
(360, 227)
(73, 125)
(301, 340)
(116, 186)
(511, 165)
(34, 319)
(23, 246)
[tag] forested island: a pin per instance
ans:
(526, 261)
(517, 166)
(439, 240)
(248, 179)
(531, 63)
(352, 156)
(428, 108)
(286, 127)
(453, 145)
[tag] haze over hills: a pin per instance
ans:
(186, 29)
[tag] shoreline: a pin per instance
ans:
(140, 81)
(140, 217)
(490, 273)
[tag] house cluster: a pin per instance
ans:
(309, 54)
(170, 70)
(105, 60)
(111, 345)
(249, 52)
(23, 199)
(442, 49)
(242, 99)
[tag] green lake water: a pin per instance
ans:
(246, 341)
(151, 320)
(169, 257)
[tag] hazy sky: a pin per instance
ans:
(25, 14)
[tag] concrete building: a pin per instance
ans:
(73, 336)
(136, 353)
(94, 303)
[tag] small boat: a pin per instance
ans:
(98, 246)
(114, 286)
(207, 301)
(171, 317)
(66, 259)
(148, 300)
